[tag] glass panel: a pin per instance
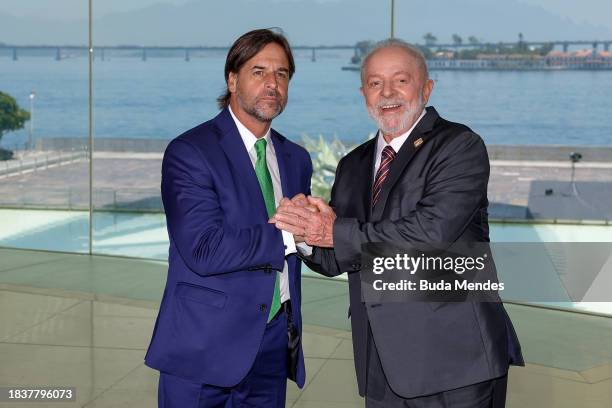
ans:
(145, 95)
(44, 187)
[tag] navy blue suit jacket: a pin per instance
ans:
(222, 254)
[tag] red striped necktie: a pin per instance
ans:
(388, 154)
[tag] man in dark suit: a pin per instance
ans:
(229, 325)
(421, 180)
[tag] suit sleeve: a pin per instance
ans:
(323, 260)
(455, 190)
(207, 242)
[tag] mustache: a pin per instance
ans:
(270, 93)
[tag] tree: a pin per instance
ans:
(457, 40)
(430, 39)
(473, 40)
(12, 117)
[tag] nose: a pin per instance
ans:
(271, 81)
(387, 89)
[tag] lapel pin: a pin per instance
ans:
(418, 142)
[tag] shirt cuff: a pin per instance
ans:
(289, 243)
(304, 249)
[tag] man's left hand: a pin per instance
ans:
(316, 227)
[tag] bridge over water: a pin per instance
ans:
(145, 51)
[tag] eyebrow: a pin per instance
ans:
(262, 67)
(393, 74)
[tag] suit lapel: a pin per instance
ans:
(283, 158)
(239, 159)
(419, 136)
(362, 175)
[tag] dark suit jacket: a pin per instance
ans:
(434, 193)
(222, 253)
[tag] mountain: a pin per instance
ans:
(307, 22)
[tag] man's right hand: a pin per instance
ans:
(299, 200)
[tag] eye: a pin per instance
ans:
(282, 74)
(258, 73)
(375, 84)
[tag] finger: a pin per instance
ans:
(289, 219)
(297, 211)
(320, 204)
(299, 197)
(284, 202)
(312, 208)
(290, 228)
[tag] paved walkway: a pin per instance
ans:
(76, 320)
(131, 181)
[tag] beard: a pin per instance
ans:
(401, 121)
(262, 110)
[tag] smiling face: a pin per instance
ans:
(259, 89)
(395, 90)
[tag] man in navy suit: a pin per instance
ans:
(229, 327)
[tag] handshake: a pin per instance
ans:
(309, 219)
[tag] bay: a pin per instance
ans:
(162, 97)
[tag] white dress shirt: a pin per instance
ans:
(249, 140)
(396, 143)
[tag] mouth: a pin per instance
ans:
(390, 108)
(269, 99)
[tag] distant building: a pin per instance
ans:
(583, 59)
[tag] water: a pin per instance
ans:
(162, 97)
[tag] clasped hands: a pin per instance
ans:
(309, 219)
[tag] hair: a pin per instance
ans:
(245, 48)
(412, 50)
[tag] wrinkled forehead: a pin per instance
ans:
(391, 60)
(272, 55)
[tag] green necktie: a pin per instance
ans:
(265, 182)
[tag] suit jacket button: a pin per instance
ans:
(263, 307)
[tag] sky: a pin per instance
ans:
(308, 22)
(597, 12)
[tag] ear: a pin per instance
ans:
(427, 88)
(232, 79)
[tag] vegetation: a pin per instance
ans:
(478, 47)
(430, 39)
(12, 118)
(325, 157)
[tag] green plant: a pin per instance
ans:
(12, 117)
(325, 157)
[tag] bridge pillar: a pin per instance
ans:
(565, 47)
(144, 54)
(58, 54)
(313, 58)
(607, 46)
(15, 58)
(187, 56)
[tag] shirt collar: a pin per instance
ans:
(396, 142)
(248, 138)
